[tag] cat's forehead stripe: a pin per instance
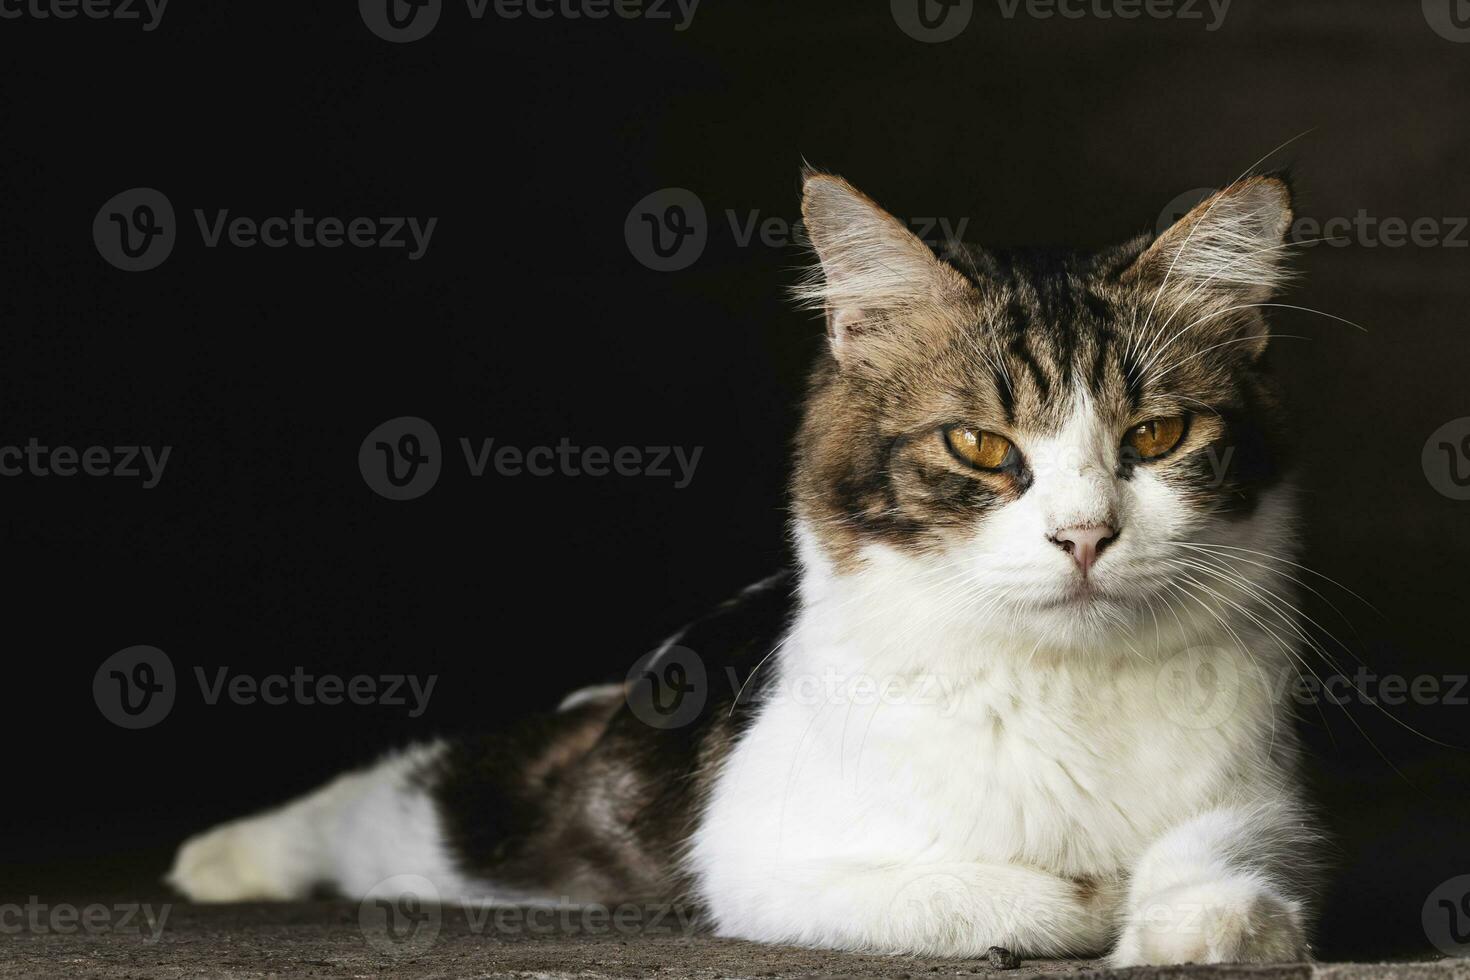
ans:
(1053, 325)
(1021, 350)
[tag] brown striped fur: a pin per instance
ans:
(999, 340)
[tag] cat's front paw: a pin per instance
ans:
(1232, 920)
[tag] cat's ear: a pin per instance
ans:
(875, 278)
(1230, 249)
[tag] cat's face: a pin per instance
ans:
(1042, 432)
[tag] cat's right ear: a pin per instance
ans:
(875, 278)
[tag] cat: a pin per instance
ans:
(1019, 687)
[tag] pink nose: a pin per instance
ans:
(1084, 544)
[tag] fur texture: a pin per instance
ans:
(950, 732)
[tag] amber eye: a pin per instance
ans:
(980, 449)
(1154, 438)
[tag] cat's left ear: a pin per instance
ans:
(1231, 249)
(876, 278)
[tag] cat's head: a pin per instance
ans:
(1042, 434)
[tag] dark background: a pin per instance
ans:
(529, 319)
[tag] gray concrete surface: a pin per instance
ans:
(334, 939)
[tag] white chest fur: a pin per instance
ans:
(1068, 768)
(943, 746)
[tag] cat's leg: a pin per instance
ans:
(1215, 889)
(408, 815)
(360, 829)
(959, 909)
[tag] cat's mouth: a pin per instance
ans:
(1078, 594)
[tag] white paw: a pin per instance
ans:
(235, 862)
(1231, 920)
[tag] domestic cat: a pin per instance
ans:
(1019, 688)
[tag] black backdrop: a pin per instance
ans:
(529, 319)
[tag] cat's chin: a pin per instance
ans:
(1081, 597)
(1085, 599)
(1085, 616)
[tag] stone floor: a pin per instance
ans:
(340, 939)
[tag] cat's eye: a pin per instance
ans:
(1154, 438)
(978, 448)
